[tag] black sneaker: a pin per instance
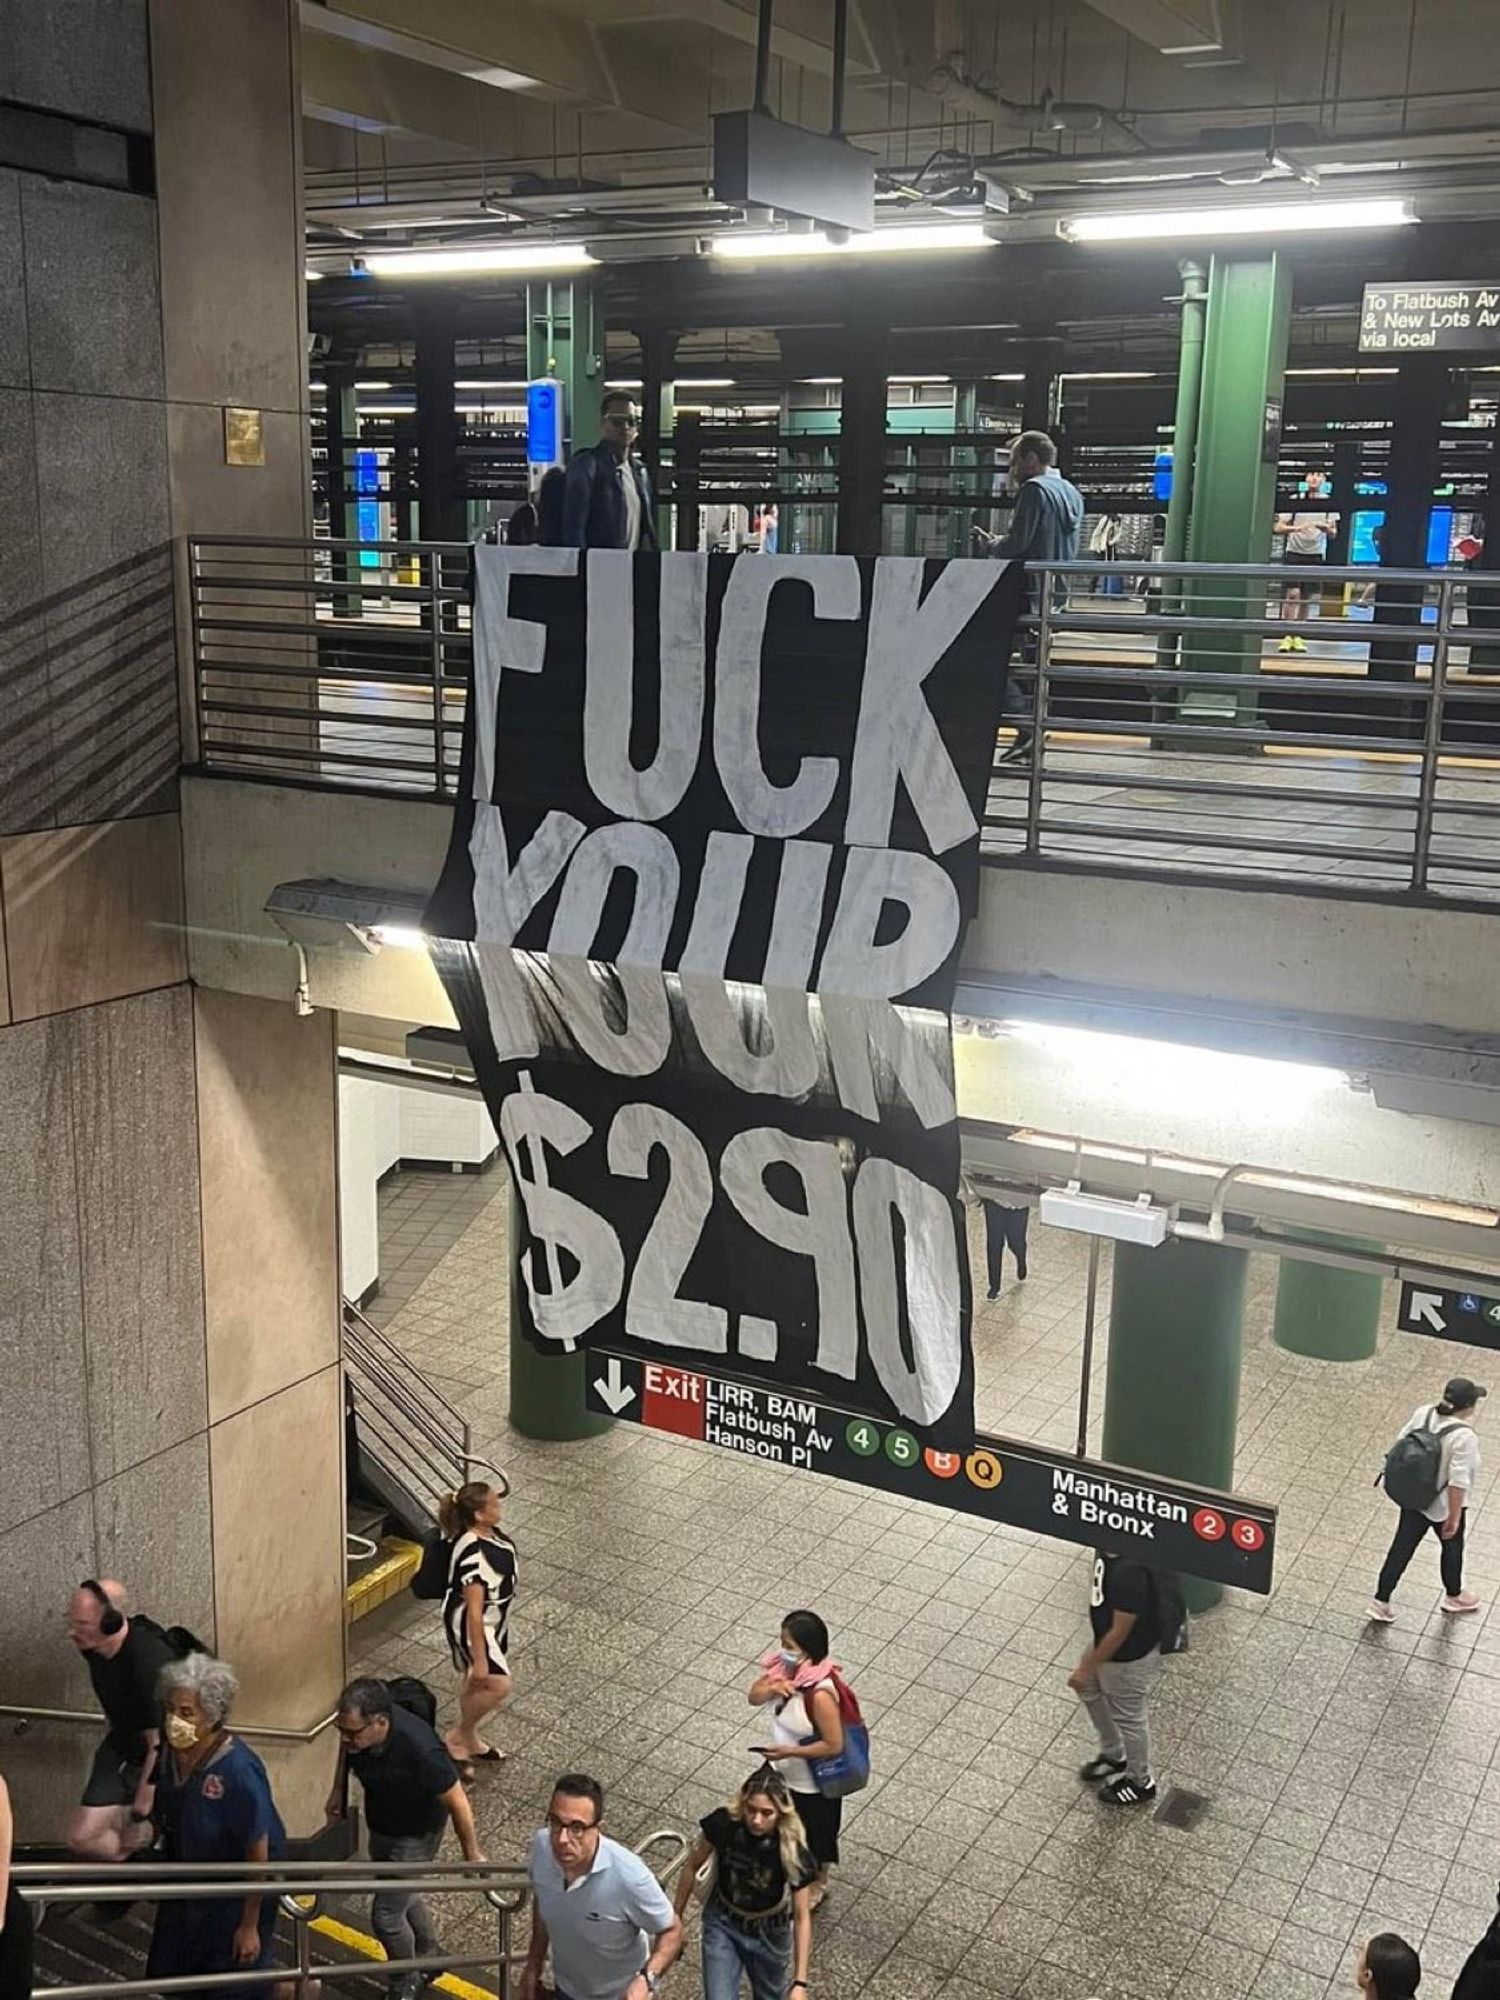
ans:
(1099, 1768)
(1128, 1792)
(993, 1292)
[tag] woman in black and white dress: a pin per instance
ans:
(476, 1616)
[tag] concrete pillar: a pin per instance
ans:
(440, 503)
(1172, 1387)
(1411, 474)
(546, 1390)
(1244, 363)
(862, 441)
(1324, 1312)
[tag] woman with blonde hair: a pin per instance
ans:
(757, 1918)
(476, 1616)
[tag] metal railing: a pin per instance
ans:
(1170, 732)
(331, 662)
(302, 1889)
(420, 1440)
(25, 1714)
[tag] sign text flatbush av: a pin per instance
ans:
(1192, 1530)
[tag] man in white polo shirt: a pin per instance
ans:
(610, 1924)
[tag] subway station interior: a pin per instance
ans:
(309, 305)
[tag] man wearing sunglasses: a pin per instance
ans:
(607, 501)
(612, 1930)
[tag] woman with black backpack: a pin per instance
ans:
(476, 1616)
(1430, 1471)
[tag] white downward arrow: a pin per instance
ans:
(1427, 1306)
(614, 1392)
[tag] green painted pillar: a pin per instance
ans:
(1172, 1387)
(1330, 1314)
(546, 1390)
(565, 338)
(1239, 430)
(965, 476)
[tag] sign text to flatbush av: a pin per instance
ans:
(1433, 318)
(1188, 1529)
(1473, 1317)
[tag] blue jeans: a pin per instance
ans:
(732, 1946)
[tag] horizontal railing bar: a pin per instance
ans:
(325, 717)
(1277, 572)
(24, 1712)
(351, 758)
(1147, 675)
(1223, 787)
(1246, 843)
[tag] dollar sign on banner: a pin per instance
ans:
(530, 1121)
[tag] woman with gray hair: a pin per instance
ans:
(213, 1803)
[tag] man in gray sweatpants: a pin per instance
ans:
(1115, 1678)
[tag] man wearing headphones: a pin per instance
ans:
(124, 1660)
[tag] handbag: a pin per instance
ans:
(836, 1777)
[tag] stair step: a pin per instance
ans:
(385, 1578)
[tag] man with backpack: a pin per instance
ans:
(1136, 1614)
(1430, 1471)
(412, 1789)
(124, 1657)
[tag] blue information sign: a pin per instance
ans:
(367, 512)
(544, 422)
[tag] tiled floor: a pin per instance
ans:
(1349, 1767)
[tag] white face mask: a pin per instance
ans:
(181, 1733)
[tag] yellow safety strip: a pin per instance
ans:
(367, 1947)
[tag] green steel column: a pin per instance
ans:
(546, 1390)
(565, 338)
(1172, 1387)
(658, 416)
(1244, 363)
(1332, 1315)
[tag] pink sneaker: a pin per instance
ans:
(1382, 1614)
(1465, 1601)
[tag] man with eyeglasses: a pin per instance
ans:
(610, 1924)
(607, 500)
(412, 1790)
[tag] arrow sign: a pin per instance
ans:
(612, 1389)
(1471, 1317)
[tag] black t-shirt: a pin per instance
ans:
(405, 1777)
(1120, 1585)
(751, 1877)
(128, 1689)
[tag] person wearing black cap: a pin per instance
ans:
(1451, 1421)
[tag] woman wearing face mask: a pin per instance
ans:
(798, 1679)
(476, 1616)
(213, 1803)
(757, 1920)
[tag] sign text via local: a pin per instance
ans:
(1428, 319)
(1191, 1530)
(1471, 1317)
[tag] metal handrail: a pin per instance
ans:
(382, 1373)
(26, 1713)
(300, 1887)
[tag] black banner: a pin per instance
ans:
(1434, 318)
(1192, 1530)
(1471, 1317)
(700, 923)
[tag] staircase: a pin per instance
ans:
(406, 1445)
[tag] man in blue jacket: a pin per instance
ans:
(1044, 527)
(607, 501)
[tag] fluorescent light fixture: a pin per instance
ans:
(1111, 375)
(477, 259)
(495, 388)
(1251, 219)
(705, 382)
(1341, 371)
(385, 409)
(1178, 1075)
(1193, 49)
(404, 937)
(373, 386)
(820, 381)
(750, 244)
(919, 378)
(625, 382)
(311, 275)
(1005, 378)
